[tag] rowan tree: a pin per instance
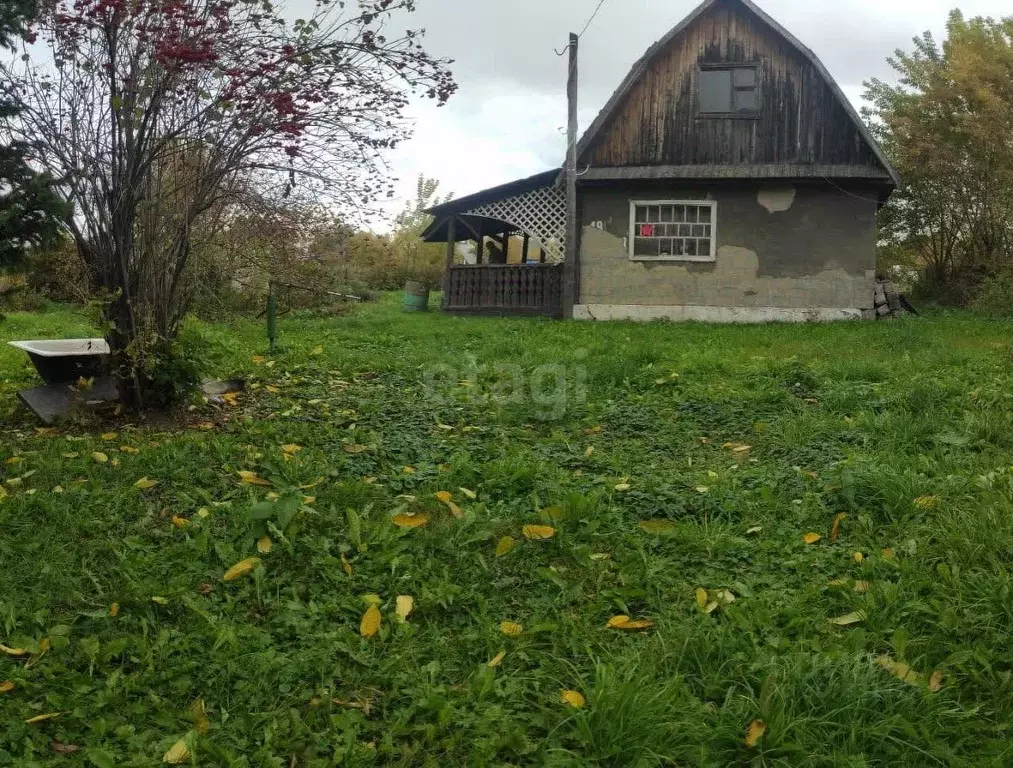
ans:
(157, 113)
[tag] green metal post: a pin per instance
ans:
(272, 318)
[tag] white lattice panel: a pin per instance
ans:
(541, 213)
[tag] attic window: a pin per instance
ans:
(728, 91)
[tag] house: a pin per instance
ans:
(728, 179)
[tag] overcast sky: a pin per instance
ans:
(504, 123)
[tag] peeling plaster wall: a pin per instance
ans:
(790, 247)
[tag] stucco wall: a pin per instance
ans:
(778, 246)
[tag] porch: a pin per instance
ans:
(505, 249)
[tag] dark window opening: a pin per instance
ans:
(731, 91)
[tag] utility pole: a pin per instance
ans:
(571, 267)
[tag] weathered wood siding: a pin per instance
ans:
(799, 120)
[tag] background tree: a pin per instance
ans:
(30, 211)
(156, 112)
(947, 126)
(415, 258)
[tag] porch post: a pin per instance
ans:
(480, 240)
(451, 242)
(527, 245)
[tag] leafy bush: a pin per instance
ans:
(996, 296)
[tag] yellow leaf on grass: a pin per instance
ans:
(370, 623)
(372, 600)
(317, 351)
(636, 624)
(109, 436)
(408, 470)
(848, 619)
(114, 610)
(264, 545)
(73, 455)
(496, 660)
(410, 521)
(6, 686)
(455, 510)
(538, 532)
(589, 452)
(159, 600)
(12, 651)
(622, 487)
(100, 457)
(272, 389)
(835, 529)
(862, 586)
(180, 522)
(888, 554)
(701, 598)
(403, 606)
(737, 447)
(702, 489)
(755, 530)
(345, 565)
(858, 557)
(504, 546)
(936, 681)
(202, 723)
(469, 493)
(926, 502)
(354, 448)
(291, 449)
(573, 699)
(145, 483)
(241, 568)
(811, 538)
(756, 731)
(179, 753)
(657, 526)
(43, 718)
(129, 449)
(257, 359)
(617, 621)
(252, 478)
(900, 670)
(511, 628)
(444, 497)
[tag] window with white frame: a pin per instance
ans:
(673, 230)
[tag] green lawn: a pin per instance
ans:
(906, 428)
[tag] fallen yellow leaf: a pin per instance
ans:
(43, 718)
(257, 359)
(504, 546)
(702, 489)
(444, 497)
(455, 510)
(635, 624)
(180, 522)
(862, 586)
(756, 731)
(6, 686)
(404, 605)
(622, 487)
(936, 681)
(573, 699)
(129, 449)
(900, 670)
(252, 478)
(701, 598)
(370, 623)
(145, 483)
(179, 753)
(114, 610)
(835, 529)
(202, 723)
(811, 538)
(12, 651)
(618, 621)
(291, 449)
(345, 565)
(657, 526)
(264, 545)
(926, 502)
(589, 452)
(496, 660)
(159, 600)
(410, 521)
(848, 619)
(755, 530)
(408, 470)
(511, 628)
(241, 568)
(888, 554)
(858, 557)
(538, 532)
(469, 493)
(100, 457)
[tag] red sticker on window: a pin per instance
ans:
(647, 230)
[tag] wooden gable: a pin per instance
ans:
(801, 118)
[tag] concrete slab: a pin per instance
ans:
(52, 402)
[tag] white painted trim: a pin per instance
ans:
(645, 313)
(712, 204)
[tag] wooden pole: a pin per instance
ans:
(480, 240)
(451, 242)
(571, 267)
(527, 247)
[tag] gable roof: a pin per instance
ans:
(615, 103)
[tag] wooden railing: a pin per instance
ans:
(504, 289)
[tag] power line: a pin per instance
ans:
(600, 4)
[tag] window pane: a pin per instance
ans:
(715, 87)
(745, 100)
(665, 247)
(645, 247)
(698, 230)
(641, 213)
(679, 248)
(704, 247)
(653, 213)
(666, 213)
(680, 214)
(691, 213)
(744, 78)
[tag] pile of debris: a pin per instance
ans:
(890, 302)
